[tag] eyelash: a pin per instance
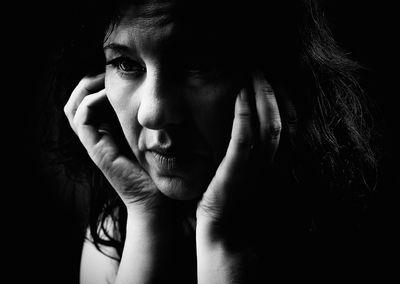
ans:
(118, 62)
(194, 70)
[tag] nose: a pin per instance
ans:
(160, 103)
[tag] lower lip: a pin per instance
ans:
(167, 164)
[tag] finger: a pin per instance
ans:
(72, 118)
(124, 174)
(289, 112)
(86, 86)
(237, 156)
(269, 118)
(84, 121)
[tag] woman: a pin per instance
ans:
(214, 134)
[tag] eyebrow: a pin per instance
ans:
(120, 48)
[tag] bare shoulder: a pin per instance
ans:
(99, 264)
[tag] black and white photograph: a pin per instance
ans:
(199, 141)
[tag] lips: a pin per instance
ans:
(169, 160)
(165, 151)
(165, 161)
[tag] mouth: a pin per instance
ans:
(169, 161)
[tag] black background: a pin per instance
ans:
(41, 227)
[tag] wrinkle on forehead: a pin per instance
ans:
(144, 16)
(145, 27)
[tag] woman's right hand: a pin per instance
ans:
(153, 230)
(85, 110)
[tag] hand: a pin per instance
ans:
(254, 141)
(86, 110)
(228, 235)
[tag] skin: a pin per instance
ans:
(193, 113)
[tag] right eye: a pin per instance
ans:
(127, 66)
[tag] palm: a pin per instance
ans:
(130, 181)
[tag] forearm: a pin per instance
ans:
(215, 265)
(150, 242)
(220, 261)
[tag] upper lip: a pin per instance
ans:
(181, 153)
(165, 151)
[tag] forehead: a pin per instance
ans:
(142, 26)
(167, 26)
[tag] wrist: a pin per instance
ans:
(151, 218)
(152, 240)
(224, 256)
(221, 258)
(157, 223)
(231, 237)
(152, 208)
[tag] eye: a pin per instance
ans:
(203, 72)
(127, 66)
(198, 68)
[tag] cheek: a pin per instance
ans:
(122, 100)
(213, 113)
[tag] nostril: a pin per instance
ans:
(160, 104)
(164, 138)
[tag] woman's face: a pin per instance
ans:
(174, 101)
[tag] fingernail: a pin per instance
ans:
(258, 75)
(243, 95)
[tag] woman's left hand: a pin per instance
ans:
(254, 141)
(225, 220)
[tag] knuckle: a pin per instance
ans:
(275, 129)
(85, 81)
(75, 120)
(67, 109)
(243, 142)
(244, 115)
(267, 89)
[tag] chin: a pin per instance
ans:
(178, 188)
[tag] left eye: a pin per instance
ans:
(198, 68)
(127, 65)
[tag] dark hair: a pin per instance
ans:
(330, 157)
